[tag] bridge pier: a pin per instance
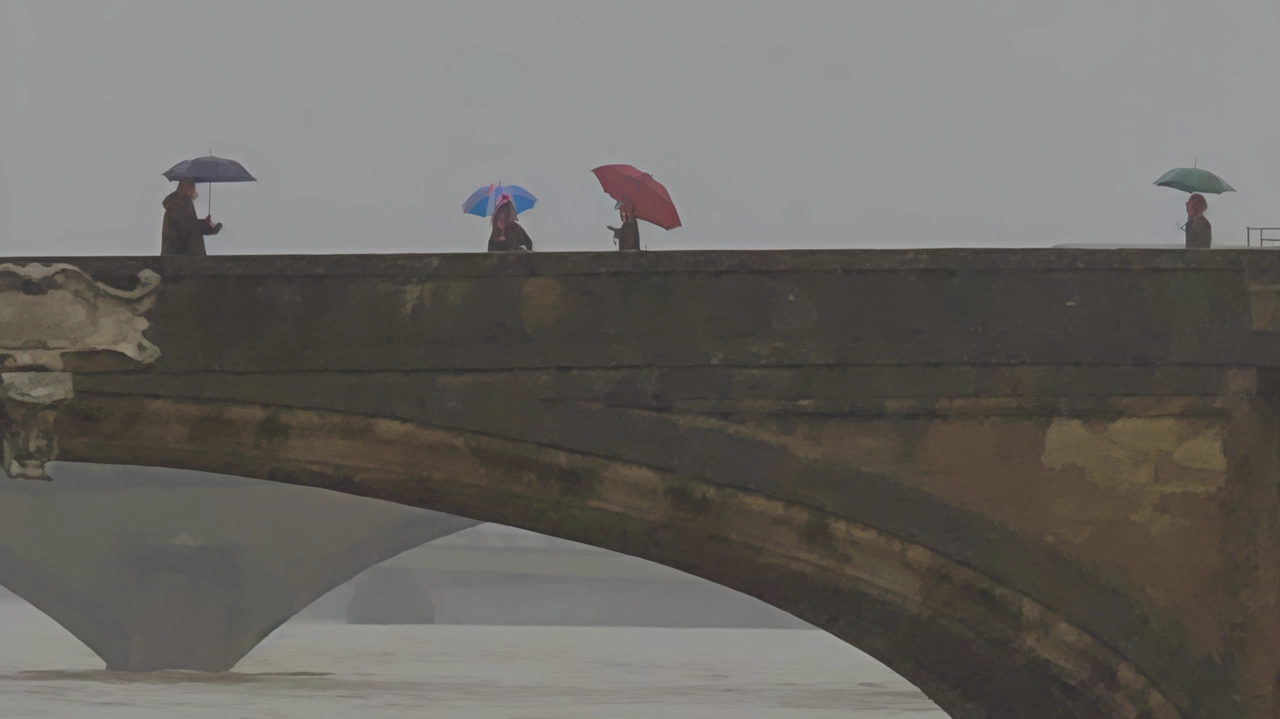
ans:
(163, 569)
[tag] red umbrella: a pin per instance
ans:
(625, 183)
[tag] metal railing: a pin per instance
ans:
(1262, 234)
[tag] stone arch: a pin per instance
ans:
(979, 649)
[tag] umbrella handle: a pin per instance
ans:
(209, 210)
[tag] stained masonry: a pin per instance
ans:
(1036, 483)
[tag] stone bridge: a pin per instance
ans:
(1034, 483)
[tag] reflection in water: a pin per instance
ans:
(110, 677)
(316, 669)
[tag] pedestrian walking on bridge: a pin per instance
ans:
(1196, 182)
(628, 235)
(1199, 231)
(183, 232)
(507, 235)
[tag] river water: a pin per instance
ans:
(312, 669)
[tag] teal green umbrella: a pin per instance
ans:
(1193, 179)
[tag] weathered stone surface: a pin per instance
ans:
(46, 311)
(27, 413)
(36, 387)
(29, 440)
(1035, 483)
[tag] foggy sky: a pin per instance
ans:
(774, 124)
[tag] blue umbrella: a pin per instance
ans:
(209, 169)
(484, 200)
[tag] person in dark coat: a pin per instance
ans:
(183, 231)
(1199, 231)
(628, 235)
(507, 234)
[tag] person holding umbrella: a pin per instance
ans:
(640, 197)
(183, 232)
(507, 235)
(1195, 181)
(628, 235)
(503, 203)
(1199, 231)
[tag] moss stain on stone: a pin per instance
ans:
(540, 302)
(688, 502)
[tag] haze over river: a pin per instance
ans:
(310, 669)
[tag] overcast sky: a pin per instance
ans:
(885, 123)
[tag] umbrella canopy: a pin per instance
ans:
(209, 169)
(651, 200)
(1193, 179)
(484, 201)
